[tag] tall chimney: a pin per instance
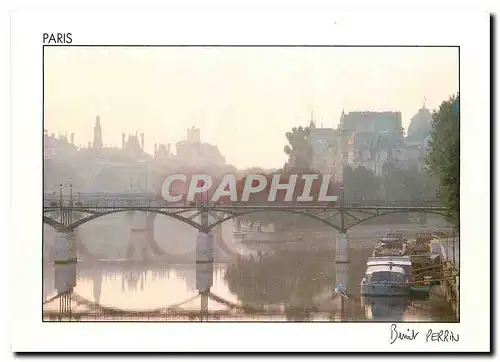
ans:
(142, 141)
(123, 140)
(156, 149)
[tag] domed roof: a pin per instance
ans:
(420, 124)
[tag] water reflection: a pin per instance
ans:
(385, 309)
(287, 285)
(289, 278)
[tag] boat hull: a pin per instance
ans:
(420, 289)
(382, 289)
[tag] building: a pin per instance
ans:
(420, 125)
(193, 152)
(372, 122)
(132, 147)
(114, 169)
(58, 149)
(162, 152)
(324, 143)
(413, 151)
(368, 139)
(103, 168)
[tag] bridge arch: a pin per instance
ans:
(435, 212)
(55, 224)
(312, 216)
(60, 227)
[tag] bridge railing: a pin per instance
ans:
(405, 203)
(152, 201)
(106, 203)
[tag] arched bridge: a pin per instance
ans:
(67, 216)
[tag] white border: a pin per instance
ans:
(469, 30)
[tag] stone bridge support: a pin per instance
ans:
(138, 244)
(204, 260)
(65, 264)
(342, 251)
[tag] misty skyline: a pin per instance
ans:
(243, 99)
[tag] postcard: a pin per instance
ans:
(224, 184)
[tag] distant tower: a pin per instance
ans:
(72, 136)
(142, 141)
(312, 124)
(97, 133)
(123, 140)
(193, 135)
(156, 149)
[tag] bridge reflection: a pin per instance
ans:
(285, 286)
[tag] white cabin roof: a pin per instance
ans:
(384, 268)
(386, 260)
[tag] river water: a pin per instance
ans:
(297, 286)
(270, 281)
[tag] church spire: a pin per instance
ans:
(97, 133)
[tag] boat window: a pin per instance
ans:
(386, 276)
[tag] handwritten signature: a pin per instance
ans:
(443, 335)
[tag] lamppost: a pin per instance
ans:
(342, 201)
(61, 195)
(70, 194)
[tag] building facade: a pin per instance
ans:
(368, 139)
(413, 151)
(195, 153)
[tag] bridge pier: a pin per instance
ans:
(65, 248)
(204, 262)
(341, 249)
(138, 244)
(342, 284)
(204, 269)
(204, 254)
(342, 267)
(341, 246)
(65, 271)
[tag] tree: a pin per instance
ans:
(444, 155)
(299, 150)
(361, 184)
(408, 185)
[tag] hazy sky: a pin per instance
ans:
(243, 99)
